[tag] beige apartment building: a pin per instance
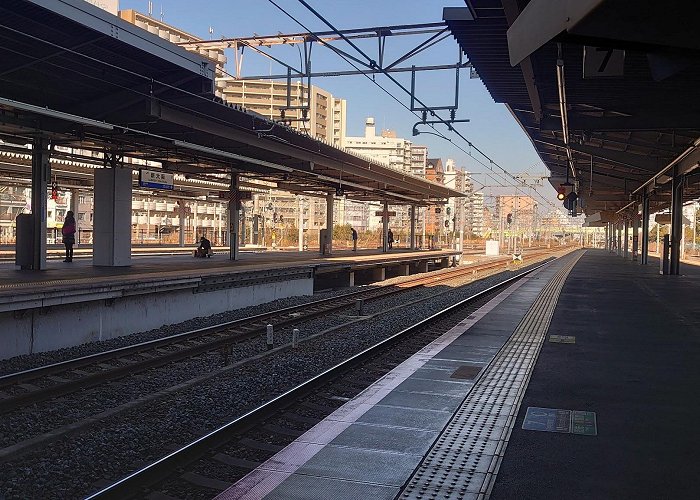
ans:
(523, 211)
(325, 114)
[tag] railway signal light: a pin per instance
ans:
(509, 218)
(570, 201)
(438, 210)
(447, 223)
(561, 192)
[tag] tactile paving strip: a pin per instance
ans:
(464, 460)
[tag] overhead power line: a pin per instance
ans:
(374, 65)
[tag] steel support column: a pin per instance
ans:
(233, 218)
(676, 222)
(329, 221)
(300, 223)
(75, 207)
(607, 236)
(412, 211)
(635, 236)
(385, 227)
(625, 247)
(645, 231)
(41, 175)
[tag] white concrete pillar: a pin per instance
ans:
(112, 218)
(626, 245)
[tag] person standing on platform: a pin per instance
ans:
(354, 239)
(390, 238)
(68, 232)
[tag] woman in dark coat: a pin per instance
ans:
(68, 232)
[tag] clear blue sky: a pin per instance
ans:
(491, 127)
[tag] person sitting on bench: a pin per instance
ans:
(204, 248)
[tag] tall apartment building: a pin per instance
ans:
(397, 153)
(339, 122)
(386, 147)
(468, 211)
(523, 210)
(477, 214)
(419, 159)
(325, 114)
(434, 216)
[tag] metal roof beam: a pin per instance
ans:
(391, 179)
(666, 119)
(646, 163)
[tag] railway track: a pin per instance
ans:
(198, 469)
(39, 384)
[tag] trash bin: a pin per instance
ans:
(24, 241)
(323, 241)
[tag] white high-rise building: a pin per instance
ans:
(476, 214)
(399, 154)
(386, 147)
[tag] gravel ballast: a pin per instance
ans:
(111, 448)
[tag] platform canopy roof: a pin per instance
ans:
(631, 74)
(90, 80)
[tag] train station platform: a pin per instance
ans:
(579, 381)
(72, 303)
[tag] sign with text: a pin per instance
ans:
(603, 62)
(379, 213)
(242, 195)
(156, 180)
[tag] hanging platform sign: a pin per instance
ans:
(156, 180)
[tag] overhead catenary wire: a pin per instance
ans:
(372, 64)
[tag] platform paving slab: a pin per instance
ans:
(371, 424)
(635, 364)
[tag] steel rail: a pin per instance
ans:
(248, 328)
(131, 484)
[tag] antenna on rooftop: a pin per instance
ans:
(161, 13)
(150, 8)
(211, 32)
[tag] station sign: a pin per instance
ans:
(156, 180)
(603, 62)
(380, 213)
(242, 195)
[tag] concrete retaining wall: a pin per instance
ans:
(63, 325)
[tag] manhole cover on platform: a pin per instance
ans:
(583, 422)
(547, 420)
(558, 420)
(562, 339)
(466, 372)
